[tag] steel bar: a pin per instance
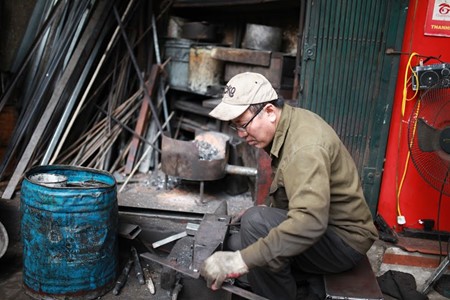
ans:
(30, 113)
(161, 79)
(138, 71)
(71, 103)
(94, 76)
(54, 13)
(86, 43)
(120, 158)
(145, 154)
(152, 159)
(127, 128)
(142, 120)
(106, 140)
(98, 127)
(118, 113)
(29, 116)
(169, 239)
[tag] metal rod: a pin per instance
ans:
(138, 71)
(169, 239)
(240, 170)
(86, 41)
(161, 81)
(74, 96)
(29, 115)
(47, 23)
(88, 88)
(144, 155)
(141, 138)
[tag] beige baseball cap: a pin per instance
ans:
(240, 92)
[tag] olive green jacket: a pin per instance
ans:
(316, 180)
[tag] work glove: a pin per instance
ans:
(222, 265)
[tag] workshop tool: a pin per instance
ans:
(189, 252)
(123, 276)
(137, 266)
(176, 290)
(149, 281)
(134, 259)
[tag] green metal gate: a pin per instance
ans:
(347, 77)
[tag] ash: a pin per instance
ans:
(206, 151)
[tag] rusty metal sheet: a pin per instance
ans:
(245, 56)
(357, 283)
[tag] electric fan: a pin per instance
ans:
(429, 136)
(429, 146)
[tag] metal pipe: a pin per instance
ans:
(240, 170)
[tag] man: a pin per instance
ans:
(318, 221)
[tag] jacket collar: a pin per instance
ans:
(281, 131)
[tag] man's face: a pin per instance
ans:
(261, 129)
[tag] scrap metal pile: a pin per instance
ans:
(89, 86)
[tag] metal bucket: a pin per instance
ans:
(178, 67)
(69, 233)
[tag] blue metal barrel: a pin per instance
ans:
(69, 233)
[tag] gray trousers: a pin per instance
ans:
(329, 255)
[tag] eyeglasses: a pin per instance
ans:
(243, 127)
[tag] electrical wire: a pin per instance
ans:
(406, 79)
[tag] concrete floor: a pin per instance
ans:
(383, 256)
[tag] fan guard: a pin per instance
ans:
(429, 137)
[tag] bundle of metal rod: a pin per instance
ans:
(81, 84)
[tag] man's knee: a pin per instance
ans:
(258, 221)
(253, 217)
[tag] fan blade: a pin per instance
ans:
(427, 136)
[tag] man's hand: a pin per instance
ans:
(222, 265)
